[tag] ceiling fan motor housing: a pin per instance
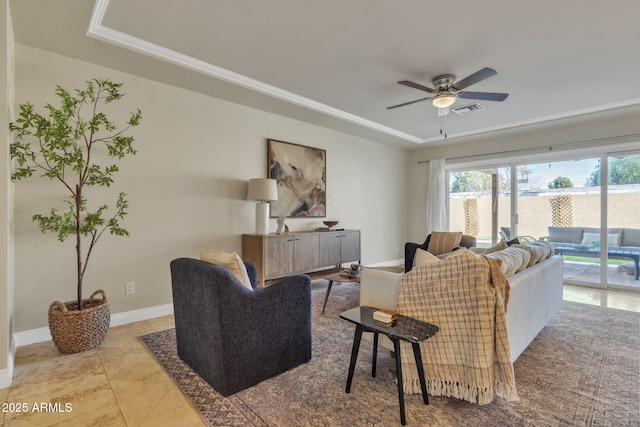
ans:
(444, 82)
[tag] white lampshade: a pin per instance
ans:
(443, 101)
(262, 189)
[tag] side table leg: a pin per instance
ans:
(423, 384)
(396, 346)
(375, 355)
(326, 296)
(354, 355)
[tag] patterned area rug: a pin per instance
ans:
(583, 369)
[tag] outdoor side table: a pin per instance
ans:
(403, 329)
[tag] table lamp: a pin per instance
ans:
(263, 190)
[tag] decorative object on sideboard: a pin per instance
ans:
(300, 172)
(282, 225)
(73, 145)
(330, 226)
(262, 190)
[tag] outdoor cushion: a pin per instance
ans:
(630, 237)
(565, 234)
(589, 238)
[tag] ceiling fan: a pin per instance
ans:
(447, 89)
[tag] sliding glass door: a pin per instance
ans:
(623, 217)
(560, 202)
(588, 208)
(479, 203)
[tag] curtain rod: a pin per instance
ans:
(541, 149)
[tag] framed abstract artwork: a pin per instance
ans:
(301, 175)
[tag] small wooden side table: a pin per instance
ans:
(404, 329)
(337, 277)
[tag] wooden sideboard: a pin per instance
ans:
(279, 255)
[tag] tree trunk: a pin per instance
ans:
(79, 246)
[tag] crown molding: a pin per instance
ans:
(103, 33)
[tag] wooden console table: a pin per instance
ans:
(280, 255)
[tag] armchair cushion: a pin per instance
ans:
(230, 261)
(443, 242)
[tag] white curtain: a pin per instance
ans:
(436, 198)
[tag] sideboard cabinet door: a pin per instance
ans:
(350, 249)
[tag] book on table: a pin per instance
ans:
(385, 316)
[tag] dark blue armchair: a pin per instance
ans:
(234, 337)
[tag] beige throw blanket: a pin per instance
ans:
(465, 295)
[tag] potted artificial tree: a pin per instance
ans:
(65, 144)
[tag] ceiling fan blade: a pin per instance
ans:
(416, 86)
(485, 96)
(408, 103)
(474, 78)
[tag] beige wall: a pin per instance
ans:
(187, 189)
(6, 263)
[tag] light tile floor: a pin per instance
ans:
(120, 384)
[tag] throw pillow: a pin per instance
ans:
(230, 261)
(589, 238)
(613, 239)
(423, 258)
(442, 242)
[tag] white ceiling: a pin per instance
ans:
(336, 63)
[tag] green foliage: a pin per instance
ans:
(60, 144)
(561, 182)
(469, 181)
(622, 170)
(477, 181)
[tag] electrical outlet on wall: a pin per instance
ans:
(130, 288)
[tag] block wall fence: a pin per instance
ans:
(535, 212)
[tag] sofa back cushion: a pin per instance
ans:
(565, 234)
(512, 260)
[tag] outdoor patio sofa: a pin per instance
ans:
(623, 243)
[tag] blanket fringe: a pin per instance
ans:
(480, 395)
(506, 391)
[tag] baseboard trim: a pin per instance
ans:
(392, 263)
(6, 375)
(37, 335)
(5, 378)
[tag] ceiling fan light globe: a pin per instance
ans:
(444, 100)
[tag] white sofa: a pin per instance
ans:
(535, 297)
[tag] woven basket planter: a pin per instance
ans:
(73, 330)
